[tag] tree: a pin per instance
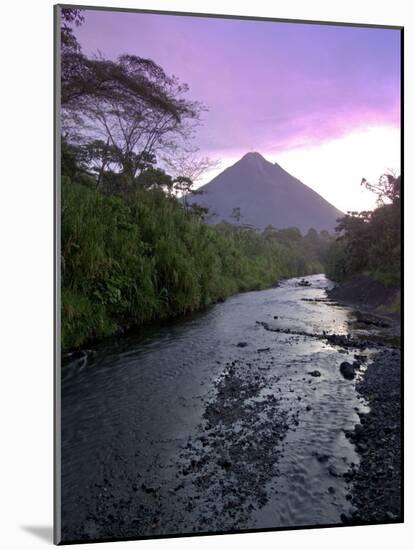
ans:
(130, 103)
(183, 186)
(98, 156)
(187, 169)
(200, 212)
(70, 17)
(235, 214)
(155, 178)
(190, 165)
(370, 241)
(140, 112)
(387, 189)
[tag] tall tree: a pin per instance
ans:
(130, 103)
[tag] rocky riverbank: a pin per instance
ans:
(376, 492)
(362, 291)
(242, 418)
(376, 483)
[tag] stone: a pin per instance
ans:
(347, 370)
(315, 373)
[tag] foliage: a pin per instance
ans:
(133, 259)
(122, 111)
(133, 249)
(370, 241)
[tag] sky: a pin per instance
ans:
(322, 101)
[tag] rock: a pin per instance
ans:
(242, 344)
(314, 373)
(322, 458)
(148, 490)
(359, 430)
(347, 370)
(333, 470)
(361, 447)
(225, 464)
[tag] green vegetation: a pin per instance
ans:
(370, 242)
(132, 260)
(133, 249)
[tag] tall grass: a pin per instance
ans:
(129, 261)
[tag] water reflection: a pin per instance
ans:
(133, 411)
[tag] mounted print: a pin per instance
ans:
(228, 274)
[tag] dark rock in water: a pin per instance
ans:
(347, 370)
(314, 373)
(225, 464)
(261, 350)
(322, 458)
(242, 344)
(333, 470)
(359, 430)
(361, 447)
(148, 490)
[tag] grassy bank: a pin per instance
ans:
(132, 260)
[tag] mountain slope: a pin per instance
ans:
(266, 195)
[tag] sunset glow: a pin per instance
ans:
(322, 101)
(327, 168)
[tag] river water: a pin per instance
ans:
(213, 423)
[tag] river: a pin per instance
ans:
(212, 423)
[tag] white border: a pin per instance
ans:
(26, 287)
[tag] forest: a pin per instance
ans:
(132, 249)
(369, 242)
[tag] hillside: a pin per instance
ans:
(266, 195)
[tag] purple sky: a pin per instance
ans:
(269, 87)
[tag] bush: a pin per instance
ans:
(131, 260)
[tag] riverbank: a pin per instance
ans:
(245, 420)
(364, 292)
(376, 492)
(129, 261)
(229, 424)
(376, 484)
